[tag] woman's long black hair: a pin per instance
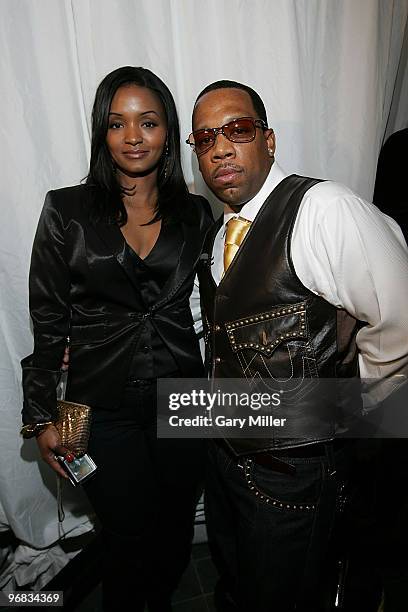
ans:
(108, 205)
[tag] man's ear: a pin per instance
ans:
(270, 141)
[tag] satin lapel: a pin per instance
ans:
(116, 246)
(214, 232)
(189, 254)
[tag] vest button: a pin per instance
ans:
(218, 360)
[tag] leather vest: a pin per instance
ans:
(262, 322)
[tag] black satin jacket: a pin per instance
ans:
(83, 286)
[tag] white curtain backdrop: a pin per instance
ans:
(333, 77)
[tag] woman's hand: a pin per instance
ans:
(65, 360)
(49, 443)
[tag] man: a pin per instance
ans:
(310, 281)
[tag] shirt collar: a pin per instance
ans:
(252, 207)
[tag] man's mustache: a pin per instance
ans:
(226, 166)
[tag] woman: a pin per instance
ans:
(112, 268)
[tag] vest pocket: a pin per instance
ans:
(274, 344)
(264, 332)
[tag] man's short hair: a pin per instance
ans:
(257, 103)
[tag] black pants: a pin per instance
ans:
(144, 493)
(269, 532)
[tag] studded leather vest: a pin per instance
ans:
(261, 322)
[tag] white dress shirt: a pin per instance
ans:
(355, 257)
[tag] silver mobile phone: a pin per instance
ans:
(79, 470)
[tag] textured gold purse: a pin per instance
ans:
(74, 425)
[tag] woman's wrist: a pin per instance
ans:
(34, 429)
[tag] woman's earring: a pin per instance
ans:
(166, 160)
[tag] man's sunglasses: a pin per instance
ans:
(238, 130)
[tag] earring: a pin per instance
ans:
(270, 151)
(165, 160)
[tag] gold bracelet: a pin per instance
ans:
(34, 429)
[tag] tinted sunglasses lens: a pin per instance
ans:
(203, 140)
(241, 130)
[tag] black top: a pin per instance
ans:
(153, 359)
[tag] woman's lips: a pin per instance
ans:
(135, 154)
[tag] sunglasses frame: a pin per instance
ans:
(220, 130)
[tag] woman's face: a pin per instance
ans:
(137, 130)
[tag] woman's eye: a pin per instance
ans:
(149, 124)
(115, 125)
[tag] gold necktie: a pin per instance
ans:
(236, 231)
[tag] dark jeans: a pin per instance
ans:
(269, 532)
(144, 493)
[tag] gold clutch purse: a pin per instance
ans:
(74, 425)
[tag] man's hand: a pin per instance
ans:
(49, 443)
